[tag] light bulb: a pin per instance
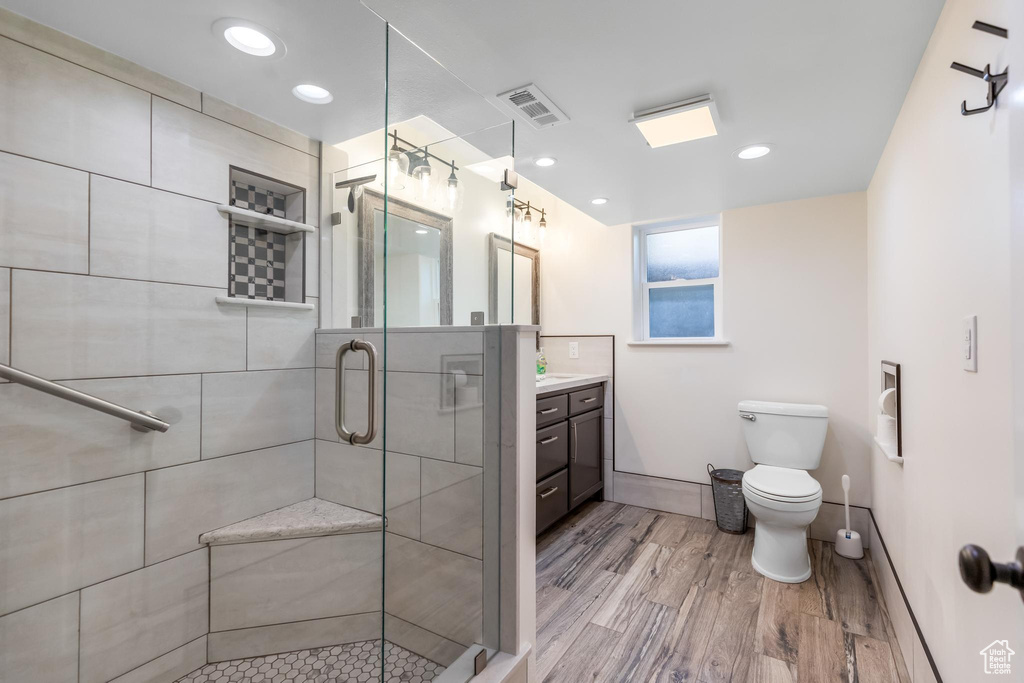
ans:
(453, 188)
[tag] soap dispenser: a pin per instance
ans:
(542, 362)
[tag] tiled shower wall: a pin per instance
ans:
(111, 255)
(435, 549)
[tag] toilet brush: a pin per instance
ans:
(848, 543)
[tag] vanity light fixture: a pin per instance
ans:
(395, 158)
(314, 94)
(598, 201)
(545, 161)
(753, 151)
(543, 225)
(684, 121)
(249, 37)
(422, 172)
(454, 190)
(528, 217)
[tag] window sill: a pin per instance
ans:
(680, 342)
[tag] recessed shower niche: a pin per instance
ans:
(266, 241)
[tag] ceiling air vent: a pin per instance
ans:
(534, 106)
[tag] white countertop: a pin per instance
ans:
(558, 381)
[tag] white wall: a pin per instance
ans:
(938, 250)
(795, 307)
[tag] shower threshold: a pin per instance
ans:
(350, 662)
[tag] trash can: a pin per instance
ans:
(730, 506)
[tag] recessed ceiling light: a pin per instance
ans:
(684, 121)
(314, 94)
(753, 152)
(545, 161)
(599, 200)
(421, 231)
(249, 37)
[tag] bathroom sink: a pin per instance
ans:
(548, 378)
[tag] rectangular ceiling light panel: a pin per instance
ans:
(671, 124)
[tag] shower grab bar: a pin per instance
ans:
(371, 393)
(142, 420)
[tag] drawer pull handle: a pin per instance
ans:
(575, 441)
(548, 411)
(550, 492)
(589, 400)
(550, 439)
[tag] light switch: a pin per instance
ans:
(574, 349)
(970, 343)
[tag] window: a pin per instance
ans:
(677, 281)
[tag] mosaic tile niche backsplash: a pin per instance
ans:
(257, 256)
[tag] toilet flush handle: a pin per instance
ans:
(749, 416)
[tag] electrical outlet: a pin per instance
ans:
(574, 349)
(969, 343)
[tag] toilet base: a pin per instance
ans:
(780, 553)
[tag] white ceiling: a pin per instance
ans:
(821, 81)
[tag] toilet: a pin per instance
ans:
(785, 440)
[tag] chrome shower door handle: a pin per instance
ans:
(749, 416)
(371, 393)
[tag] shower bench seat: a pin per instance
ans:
(312, 517)
(305, 575)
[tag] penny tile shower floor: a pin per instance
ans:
(352, 662)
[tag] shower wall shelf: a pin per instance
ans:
(263, 303)
(262, 221)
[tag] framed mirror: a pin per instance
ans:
(419, 268)
(513, 265)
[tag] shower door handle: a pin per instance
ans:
(371, 393)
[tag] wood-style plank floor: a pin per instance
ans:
(630, 594)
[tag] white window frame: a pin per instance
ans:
(641, 288)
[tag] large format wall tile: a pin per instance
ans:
(435, 589)
(5, 315)
(301, 635)
(243, 411)
(421, 414)
(171, 666)
(193, 153)
(422, 642)
(49, 442)
(44, 215)
(56, 542)
(145, 234)
(56, 111)
(452, 507)
(40, 644)
(73, 326)
(435, 352)
(275, 582)
(327, 351)
(352, 475)
(219, 109)
(280, 338)
(184, 502)
(93, 58)
(140, 616)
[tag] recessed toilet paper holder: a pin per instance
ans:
(889, 429)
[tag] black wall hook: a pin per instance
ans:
(996, 82)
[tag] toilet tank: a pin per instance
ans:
(784, 434)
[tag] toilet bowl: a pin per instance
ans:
(785, 440)
(784, 507)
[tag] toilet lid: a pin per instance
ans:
(782, 483)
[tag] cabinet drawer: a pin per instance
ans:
(552, 499)
(552, 409)
(552, 449)
(587, 399)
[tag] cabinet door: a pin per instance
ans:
(586, 436)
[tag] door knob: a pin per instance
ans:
(980, 573)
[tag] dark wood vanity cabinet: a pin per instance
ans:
(570, 451)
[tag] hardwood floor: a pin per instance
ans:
(629, 594)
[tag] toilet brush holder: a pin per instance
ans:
(849, 544)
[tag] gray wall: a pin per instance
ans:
(111, 255)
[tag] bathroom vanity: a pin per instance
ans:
(570, 444)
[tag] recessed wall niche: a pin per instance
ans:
(266, 241)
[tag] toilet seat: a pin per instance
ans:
(781, 484)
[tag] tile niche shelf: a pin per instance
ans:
(262, 303)
(260, 221)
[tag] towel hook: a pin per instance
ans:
(996, 82)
